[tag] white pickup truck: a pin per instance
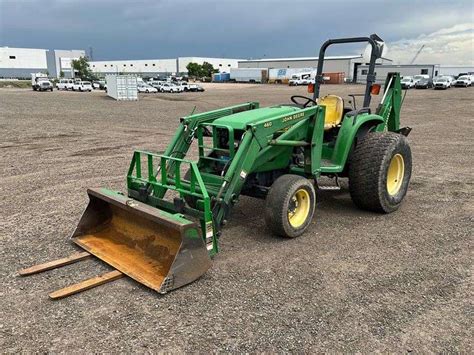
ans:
(82, 86)
(463, 80)
(170, 87)
(300, 79)
(40, 82)
(65, 84)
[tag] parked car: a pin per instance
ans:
(98, 84)
(82, 86)
(464, 80)
(198, 88)
(64, 84)
(450, 78)
(156, 84)
(169, 87)
(424, 83)
(185, 85)
(142, 87)
(442, 83)
(407, 82)
(417, 78)
(69, 85)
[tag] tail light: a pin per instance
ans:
(375, 89)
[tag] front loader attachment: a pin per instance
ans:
(161, 250)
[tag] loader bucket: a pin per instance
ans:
(161, 250)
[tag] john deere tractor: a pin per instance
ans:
(165, 229)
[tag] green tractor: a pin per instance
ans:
(275, 153)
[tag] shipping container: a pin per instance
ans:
(122, 87)
(220, 77)
(248, 75)
(225, 76)
(334, 78)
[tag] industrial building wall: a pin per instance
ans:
(21, 62)
(405, 70)
(223, 64)
(344, 64)
(330, 65)
(159, 66)
(143, 66)
(279, 64)
(455, 69)
(62, 61)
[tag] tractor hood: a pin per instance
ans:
(242, 119)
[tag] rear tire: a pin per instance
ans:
(289, 206)
(380, 171)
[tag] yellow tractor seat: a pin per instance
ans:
(334, 110)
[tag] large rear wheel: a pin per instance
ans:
(380, 171)
(289, 206)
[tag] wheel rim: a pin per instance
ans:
(299, 208)
(395, 173)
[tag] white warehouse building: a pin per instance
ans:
(21, 62)
(433, 70)
(346, 64)
(152, 67)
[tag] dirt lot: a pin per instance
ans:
(355, 281)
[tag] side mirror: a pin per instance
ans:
(375, 89)
(311, 88)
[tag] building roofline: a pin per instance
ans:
(129, 60)
(301, 58)
(145, 60)
(401, 65)
(198, 57)
(34, 49)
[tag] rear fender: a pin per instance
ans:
(352, 130)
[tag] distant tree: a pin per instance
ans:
(61, 74)
(200, 71)
(208, 69)
(81, 67)
(194, 69)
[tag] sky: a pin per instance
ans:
(149, 29)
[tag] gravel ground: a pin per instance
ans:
(356, 281)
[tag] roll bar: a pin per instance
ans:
(376, 53)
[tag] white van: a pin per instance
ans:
(64, 84)
(300, 79)
(417, 78)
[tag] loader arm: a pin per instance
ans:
(186, 131)
(391, 103)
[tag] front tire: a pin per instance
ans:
(380, 171)
(289, 206)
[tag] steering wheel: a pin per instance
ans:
(305, 104)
